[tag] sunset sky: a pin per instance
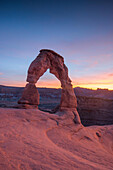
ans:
(79, 30)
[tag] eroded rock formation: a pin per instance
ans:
(30, 95)
(48, 59)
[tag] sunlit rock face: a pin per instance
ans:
(30, 95)
(48, 59)
(38, 67)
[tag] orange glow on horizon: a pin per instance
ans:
(56, 84)
(102, 81)
(95, 86)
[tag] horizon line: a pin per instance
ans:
(60, 87)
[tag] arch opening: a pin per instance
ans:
(49, 88)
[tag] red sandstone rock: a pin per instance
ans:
(30, 95)
(35, 140)
(49, 59)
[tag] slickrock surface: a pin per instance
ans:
(32, 139)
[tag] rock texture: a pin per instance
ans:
(95, 111)
(30, 95)
(48, 59)
(35, 140)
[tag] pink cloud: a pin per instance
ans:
(1, 73)
(88, 63)
(110, 74)
(103, 57)
(103, 78)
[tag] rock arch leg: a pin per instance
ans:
(68, 98)
(37, 68)
(30, 96)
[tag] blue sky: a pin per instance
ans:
(79, 30)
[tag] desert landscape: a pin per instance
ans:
(95, 107)
(56, 84)
(43, 128)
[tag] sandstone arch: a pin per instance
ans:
(48, 59)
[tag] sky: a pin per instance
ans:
(79, 30)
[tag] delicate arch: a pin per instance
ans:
(55, 62)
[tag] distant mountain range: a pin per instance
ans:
(99, 93)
